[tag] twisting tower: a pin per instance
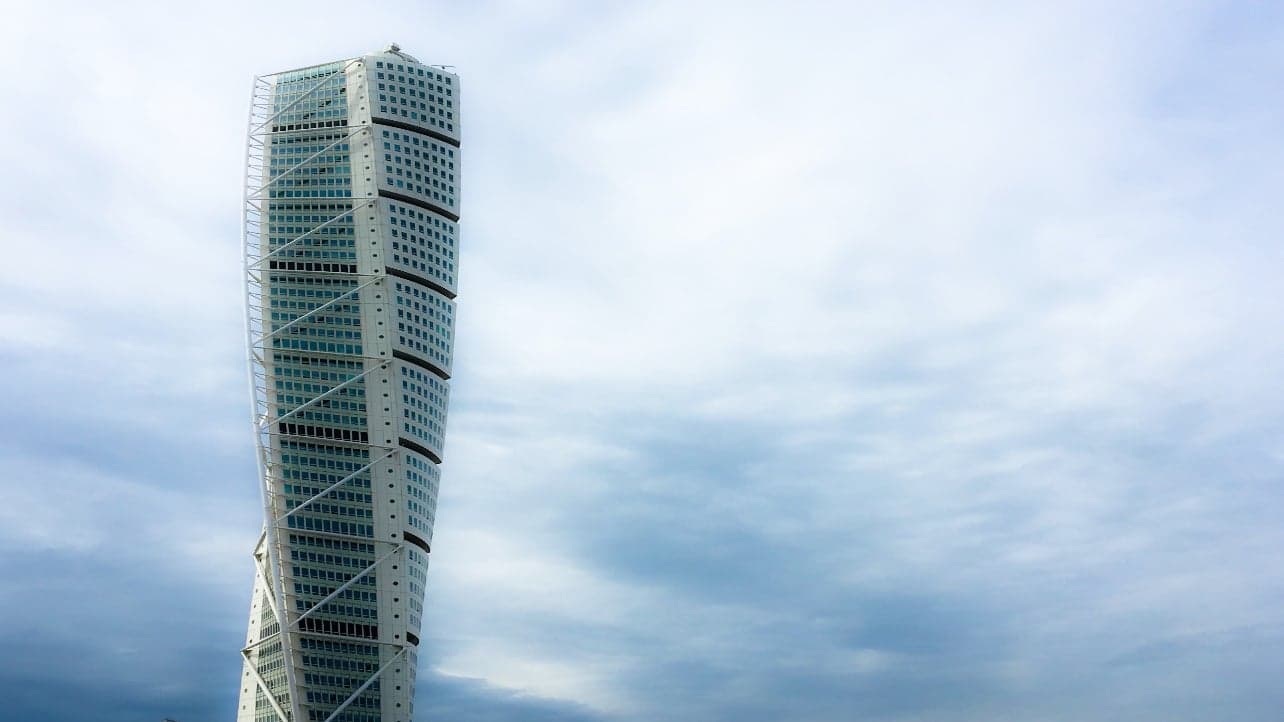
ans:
(351, 235)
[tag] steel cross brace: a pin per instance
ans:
(334, 486)
(267, 691)
(282, 247)
(305, 94)
(332, 595)
(313, 400)
(262, 339)
(378, 673)
(257, 191)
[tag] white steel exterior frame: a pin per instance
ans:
(270, 551)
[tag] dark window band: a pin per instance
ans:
(312, 266)
(419, 202)
(416, 278)
(322, 432)
(419, 449)
(426, 366)
(416, 540)
(336, 627)
(438, 135)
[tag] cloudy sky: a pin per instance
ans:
(816, 361)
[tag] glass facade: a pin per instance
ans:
(351, 234)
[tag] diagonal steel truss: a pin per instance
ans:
(265, 416)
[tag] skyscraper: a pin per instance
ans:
(351, 241)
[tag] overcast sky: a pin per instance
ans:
(815, 362)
